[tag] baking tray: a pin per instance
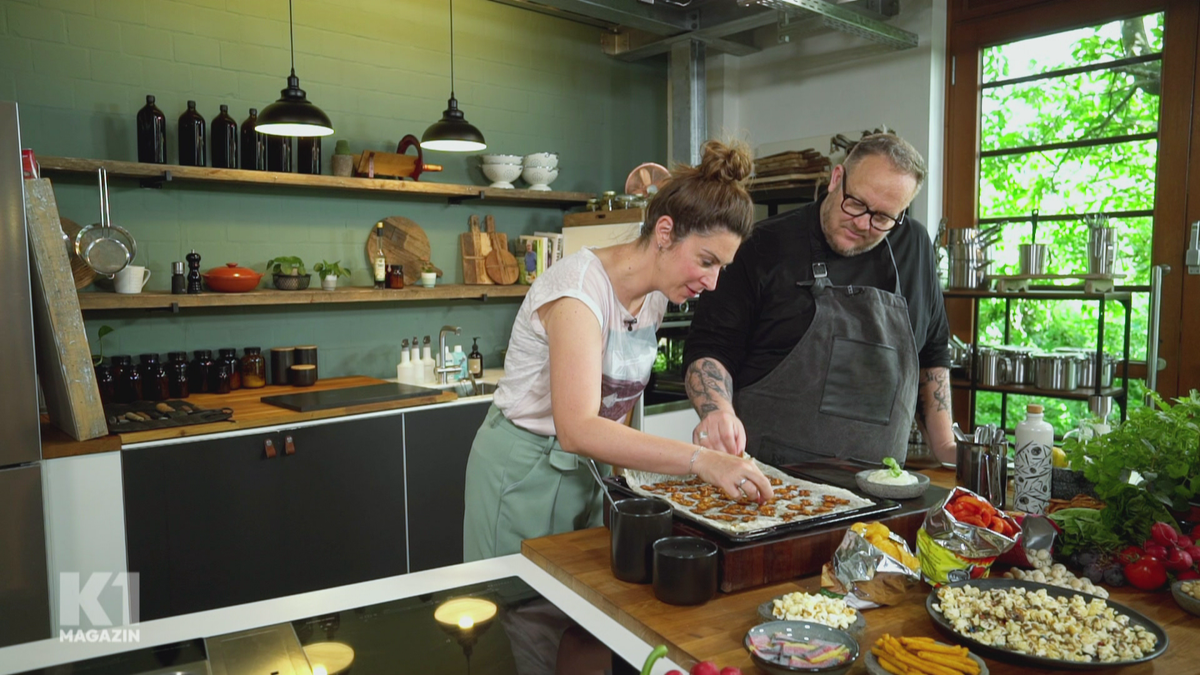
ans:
(618, 485)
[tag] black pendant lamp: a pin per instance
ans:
(452, 133)
(292, 114)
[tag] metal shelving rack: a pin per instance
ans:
(1119, 394)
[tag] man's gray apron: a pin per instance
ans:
(848, 389)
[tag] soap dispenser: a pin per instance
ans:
(460, 362)
(430, 362)
(404, 371)
(418, 366)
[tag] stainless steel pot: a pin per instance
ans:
(966, 273)
(1088, 371)
(1020, 363)
(992, 367)
(1056, 372)
(961, 355)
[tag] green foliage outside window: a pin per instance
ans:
(1107, 178)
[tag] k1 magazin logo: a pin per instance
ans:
(87, 597)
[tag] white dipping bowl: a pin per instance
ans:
(539, 177)
(546, 159)
(500, 159)
(502, 175)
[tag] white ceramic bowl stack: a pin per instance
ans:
(502, 170)
(541, 168)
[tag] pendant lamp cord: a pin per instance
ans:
(451, 48)
(292, 37)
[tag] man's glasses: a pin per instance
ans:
(854, 207)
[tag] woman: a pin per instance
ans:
(580, 354)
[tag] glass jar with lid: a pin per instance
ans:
(608, 200)
(154, 378)
(254, 368)
(127, 384)
(200, 371)
(177, 376)
(233, 366)
(592, 205)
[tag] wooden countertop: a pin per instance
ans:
(248, 412)
(714, 631)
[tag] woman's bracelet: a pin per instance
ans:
(693, 460)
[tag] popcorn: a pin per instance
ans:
(1033, 622)
(833, 612)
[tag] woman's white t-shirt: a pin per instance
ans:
(628, 344)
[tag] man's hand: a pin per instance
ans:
(710, 388)
(721, 430)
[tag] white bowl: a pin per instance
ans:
(501, 175)
(539, 177)
(548, 159)
(500, 159)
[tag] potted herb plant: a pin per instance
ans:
(329, 272)
(428, 273)
(288, 273)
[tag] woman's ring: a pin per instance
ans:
(742, 482)
(703, 435)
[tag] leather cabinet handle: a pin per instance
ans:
(289, 446)
(269, 449)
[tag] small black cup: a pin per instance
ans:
(685, 570)
(636, 525)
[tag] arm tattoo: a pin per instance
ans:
(706, 383)
(935, 382)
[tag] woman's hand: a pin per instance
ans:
(736, 476)
(721, 430)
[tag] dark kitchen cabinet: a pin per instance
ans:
(437, 443)
(217, 523)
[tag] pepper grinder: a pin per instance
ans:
(193, 277)
(178, 281)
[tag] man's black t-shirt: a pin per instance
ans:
(757, 314)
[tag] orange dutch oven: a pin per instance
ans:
(231, 279)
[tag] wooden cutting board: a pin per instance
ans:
(501, 265)
(476, 245)
(404, 243)
(84, 275)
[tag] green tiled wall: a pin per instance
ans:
(80, 70)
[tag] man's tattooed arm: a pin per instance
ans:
(709, 386)
(933, 411)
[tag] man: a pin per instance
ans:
(828, 331)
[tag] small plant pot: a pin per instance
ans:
(291, 282)
(329, 283)
(428, 279)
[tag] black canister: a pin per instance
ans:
(154, 378)
(306, 355)
(127, 384)
(282, 359)
(106, 383)
(200, 371)
(177, 375)
(230, 359)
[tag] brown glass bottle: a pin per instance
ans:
(177, 377)
(230, 359)
(127, 382)
(253, 145)
(192, 143)
(106, 384)
(308, 155)
(254, 368)
(279, 153)
(154, 378)
(224, 135)
(151, 134)
(218, 377)
(200, 371)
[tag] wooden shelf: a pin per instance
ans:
(155, 175)
(98, 300)
(1036, 294)
(1078, 394)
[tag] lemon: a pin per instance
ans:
(1059, 457)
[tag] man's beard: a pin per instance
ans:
(828, 216)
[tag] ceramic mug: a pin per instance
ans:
(132, 279)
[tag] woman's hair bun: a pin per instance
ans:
(731, 163)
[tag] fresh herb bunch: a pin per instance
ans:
(325, 268)
(292, 265)
(1084, 529)
(1161, 443)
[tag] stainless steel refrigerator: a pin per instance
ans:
(24, 588)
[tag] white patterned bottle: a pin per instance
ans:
(1033, 461)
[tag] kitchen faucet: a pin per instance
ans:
(443, 370)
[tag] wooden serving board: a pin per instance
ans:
(501, 265)
(476, 245)
(404, 243)
(250, 412)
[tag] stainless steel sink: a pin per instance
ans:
(475, 389)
